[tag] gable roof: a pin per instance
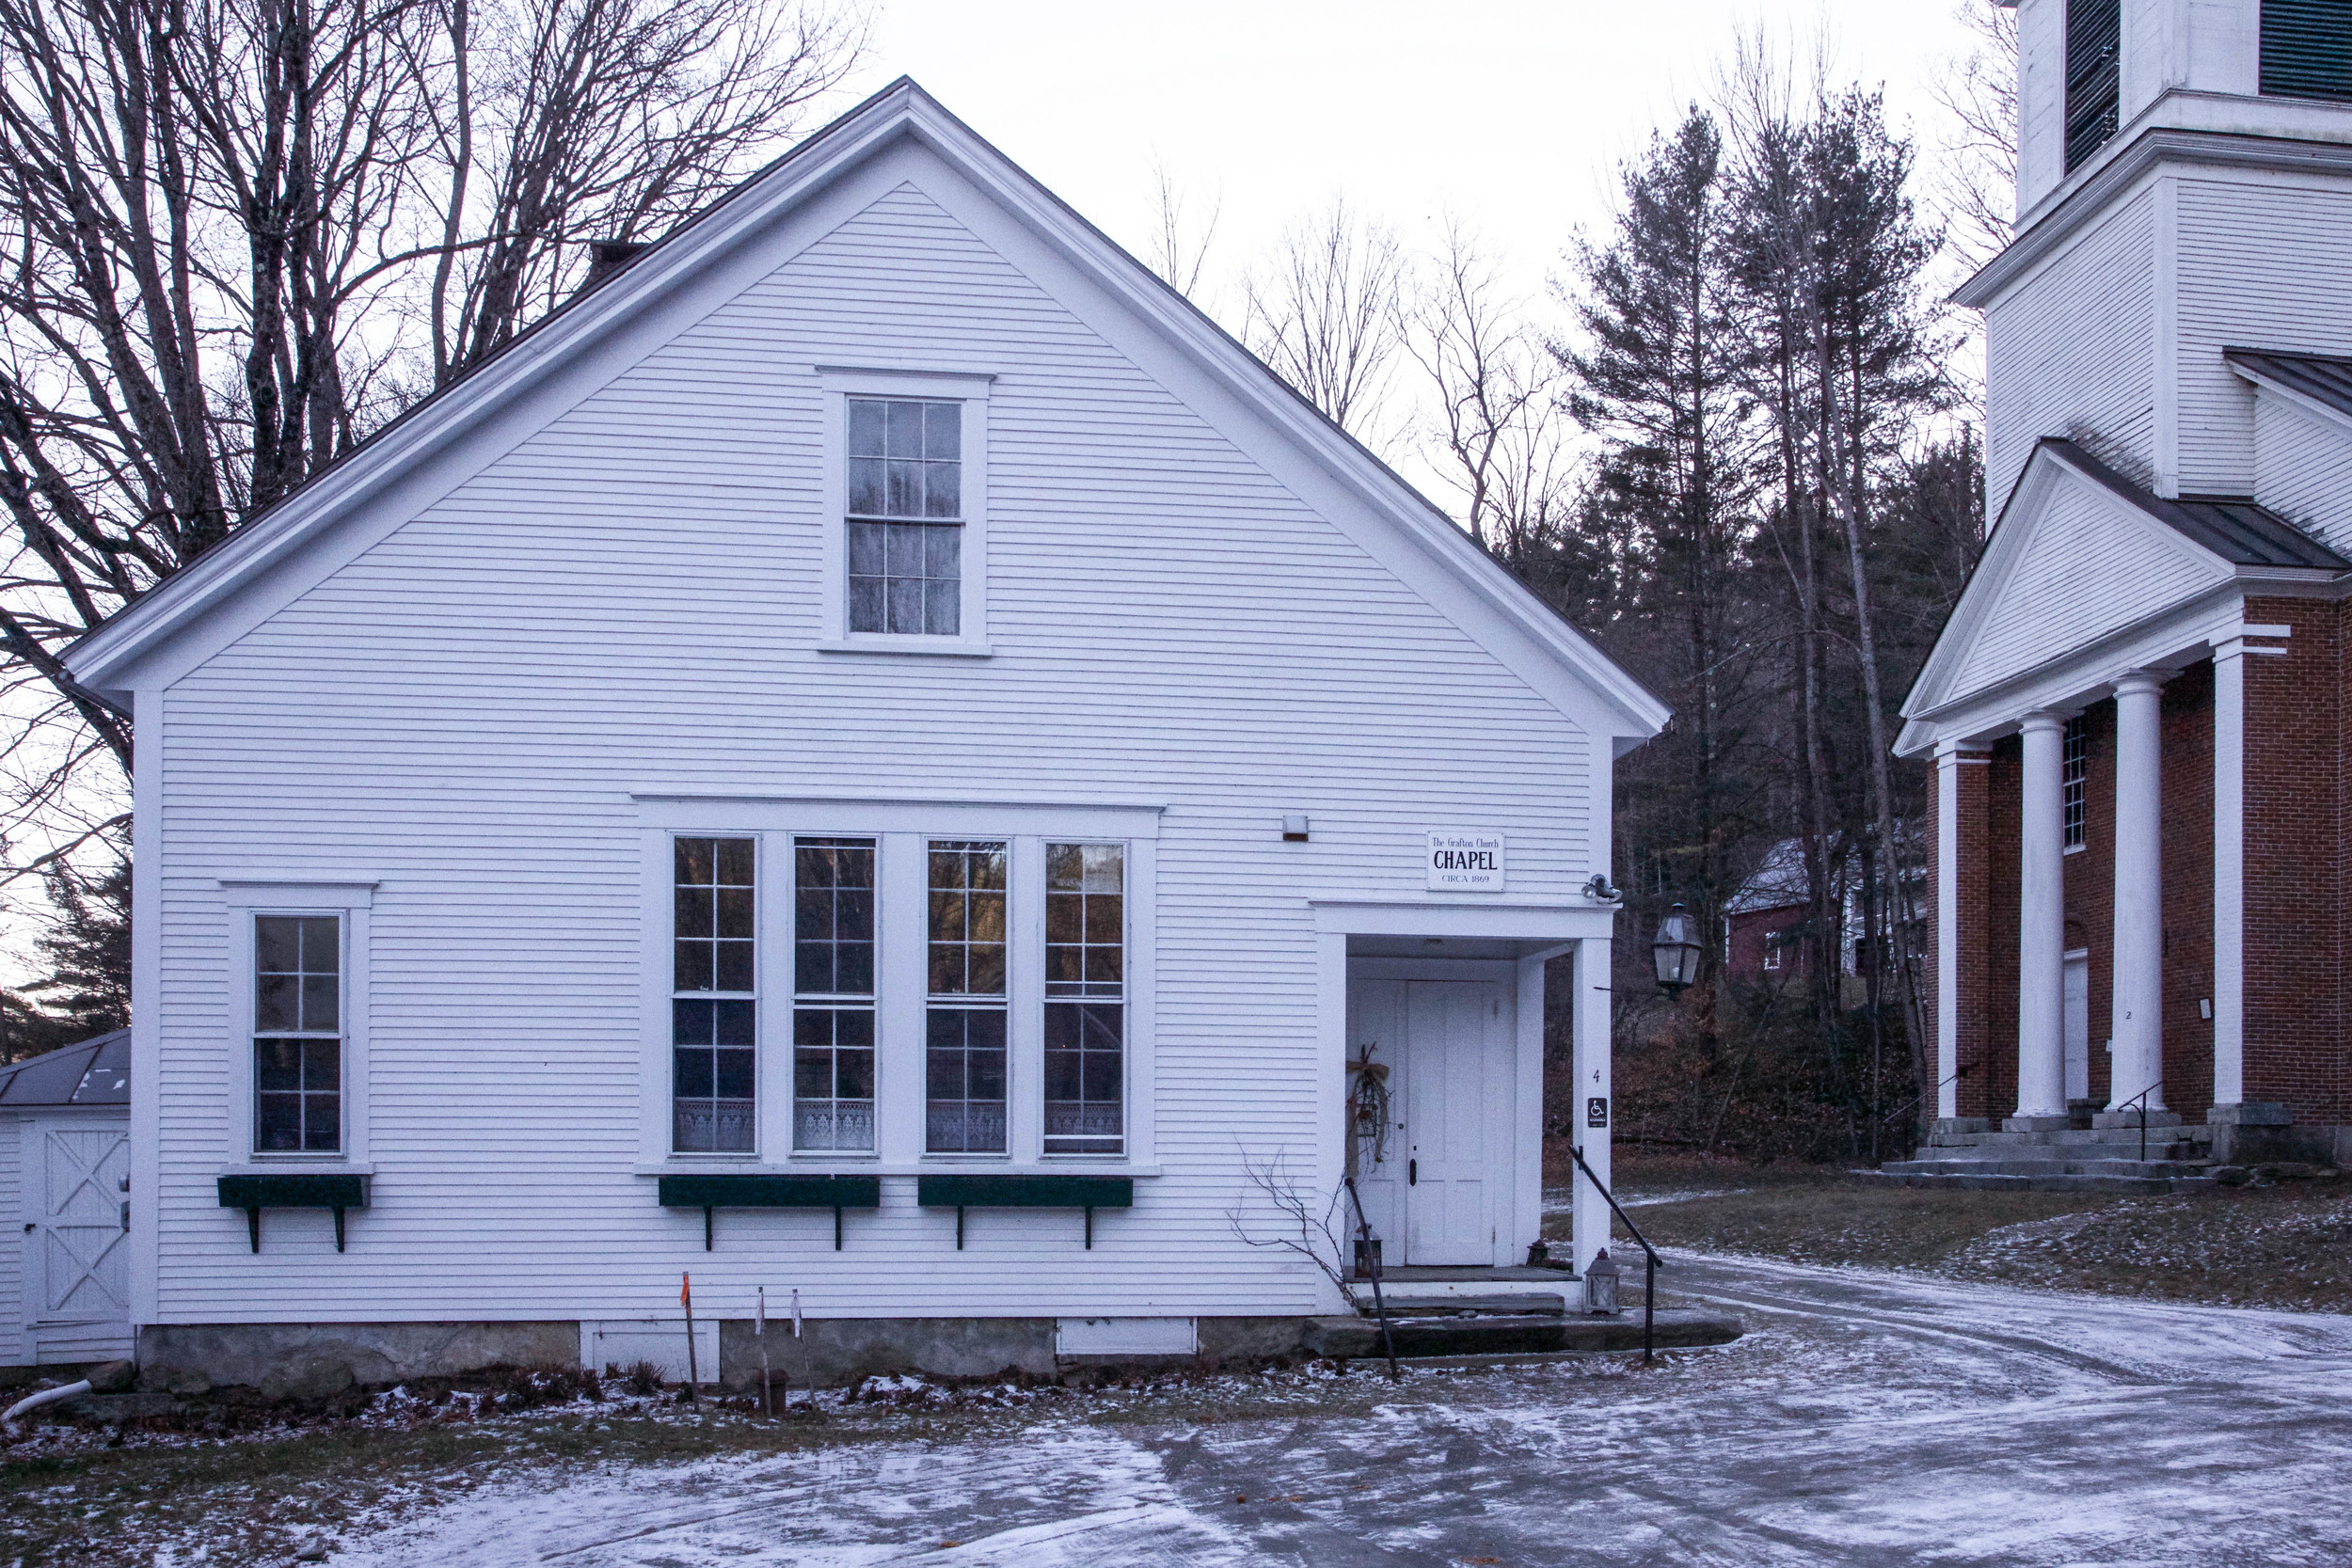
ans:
(397, 466)
(95, 1072)
(2120, 557)
(2318, 381)
(2238, 529)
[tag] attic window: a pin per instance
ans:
(906, 516)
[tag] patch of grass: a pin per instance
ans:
(2287, 1247)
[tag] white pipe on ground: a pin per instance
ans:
(47, 1396)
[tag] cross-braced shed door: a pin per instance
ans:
(78, 1293)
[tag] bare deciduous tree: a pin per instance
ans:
(1181, 237)
(1980, 176)
(1325, 316)
(1500, 442)
(221, 219)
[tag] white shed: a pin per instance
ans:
(875, 751)
(65, 1167)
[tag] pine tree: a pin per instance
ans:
(87, 989)
(1654, 377)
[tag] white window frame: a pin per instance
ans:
(349, 900)
(842, 383)
(903, 832)
(2074, 784)
(757, 997)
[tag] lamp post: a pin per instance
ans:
(1675, 951)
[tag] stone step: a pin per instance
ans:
(2048, 1167)
(2185, 1153)
(1356, 1337)
(2071, 1137)
(1979, 1180)
(1405, 1304)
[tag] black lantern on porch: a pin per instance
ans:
(1601, 1286)
(1676, 951)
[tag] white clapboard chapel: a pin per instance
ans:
(876, 753)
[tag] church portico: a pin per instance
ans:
(2136, 711)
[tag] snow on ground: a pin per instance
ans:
(1868, 1419)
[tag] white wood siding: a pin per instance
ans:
(630, 599)
(15, 1213)
(2303, 469)
(2070, 352)
(2087, 567)
(2263, 264)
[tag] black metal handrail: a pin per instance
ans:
(2140, 1099)
(1371, 1262)
(1649, 1274)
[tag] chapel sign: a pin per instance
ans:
(1466, 862)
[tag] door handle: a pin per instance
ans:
(1413, 1173)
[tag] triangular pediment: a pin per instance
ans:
(2074, 558)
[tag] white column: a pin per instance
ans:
(1589, 1214)
(2229, 873)
(2042, 923)
(1946, 930)
(2138, 1018)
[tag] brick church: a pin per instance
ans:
(2137, 713)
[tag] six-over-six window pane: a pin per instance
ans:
(298, 1034)
(905, 523)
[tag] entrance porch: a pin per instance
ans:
(1434, 1018)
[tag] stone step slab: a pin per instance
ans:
(2049, 1167)
(1354, 1339)
(1982, 1181)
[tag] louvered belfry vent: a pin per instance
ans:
(2094, 35)
(2307, 49)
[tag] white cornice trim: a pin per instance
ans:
(2088, 193)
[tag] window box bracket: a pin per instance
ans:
(1088, 1192)
(293, 1190)
(712, 1192)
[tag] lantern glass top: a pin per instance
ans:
(1677, 950)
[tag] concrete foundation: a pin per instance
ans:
(316, 1360)
(313, 1360)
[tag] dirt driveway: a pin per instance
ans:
(1868, 1419)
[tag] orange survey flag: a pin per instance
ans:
(686, 1289)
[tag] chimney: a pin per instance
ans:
(607, 257)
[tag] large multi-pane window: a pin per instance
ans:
(2074, 782)
(906, 516)
(714, 1005)
(832, 993)
(1086, 996)
(2094, 42)
(964, 1019)
(298, 1034)
(2307, 48)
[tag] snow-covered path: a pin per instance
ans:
(1868, 1419)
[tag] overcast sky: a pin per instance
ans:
(1513, 114)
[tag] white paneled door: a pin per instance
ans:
(1457, 1119)
(77, 1297)
(2077, 995)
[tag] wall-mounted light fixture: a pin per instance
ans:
(1294, 829)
